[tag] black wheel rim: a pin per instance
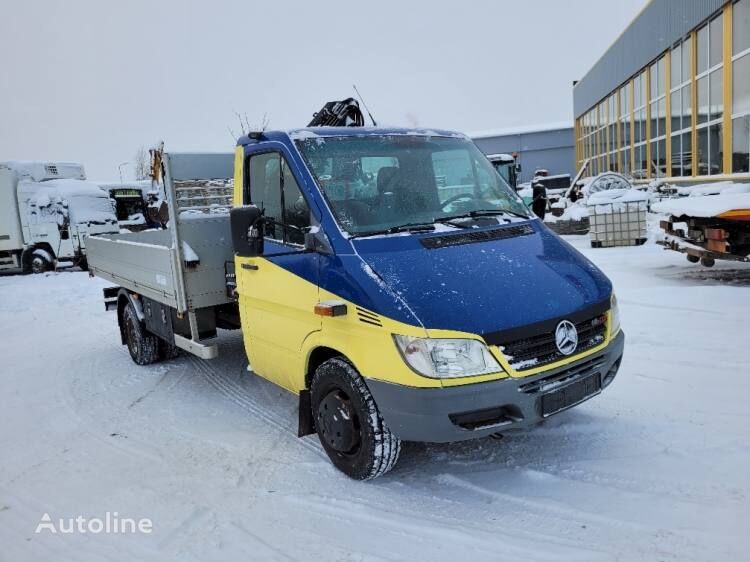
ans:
(338, 423)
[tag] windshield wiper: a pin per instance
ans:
(483, 213)
(410, 227)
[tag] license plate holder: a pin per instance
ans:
(571, 394)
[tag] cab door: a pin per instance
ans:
(278, 291)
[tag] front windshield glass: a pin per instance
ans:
(382, 183)
(90, 209)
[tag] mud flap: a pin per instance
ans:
(306, 423)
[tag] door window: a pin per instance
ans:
(271, 186)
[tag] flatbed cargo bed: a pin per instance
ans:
(184, 266)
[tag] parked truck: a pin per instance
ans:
(507, 166)
(130, 203)
(708, 228)
(394, 306)
(46, 211)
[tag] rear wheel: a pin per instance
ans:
(693, 259)
(142, 345)
(348, 423)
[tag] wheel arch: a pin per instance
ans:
(123, 299)
(316, 357)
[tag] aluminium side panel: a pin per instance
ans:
(141, 262)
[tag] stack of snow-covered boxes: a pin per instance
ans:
(617, 222)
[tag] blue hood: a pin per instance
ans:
(490, 286)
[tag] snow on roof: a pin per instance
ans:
(708, 206)
(64, 188)
(703, 189)
(521, 130)
(135, 184)
(501, 156)
(42, 170)
(318, 132)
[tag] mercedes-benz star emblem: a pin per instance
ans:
(566, 337)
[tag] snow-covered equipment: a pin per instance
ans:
(130, 202)
(617, 217)
(47, 209)
(607, 181)
(709, 227)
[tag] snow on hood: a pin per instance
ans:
(487, 286)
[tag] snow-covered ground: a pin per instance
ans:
(656, 468)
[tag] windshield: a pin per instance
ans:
(380, 183)
(91, 209)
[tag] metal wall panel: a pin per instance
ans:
(553, 150)
(657, 28)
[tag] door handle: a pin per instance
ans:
(249, 266)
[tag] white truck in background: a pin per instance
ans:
(46, 211)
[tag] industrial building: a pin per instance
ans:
(550, 147)
(671, 96)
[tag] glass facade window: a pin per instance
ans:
(741, 27)
(676, 66)
(741, 144)
(687, 57)
(715, 36)
(741, 85)
(702, 49)
(629, 129)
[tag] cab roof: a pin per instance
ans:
(314, 132)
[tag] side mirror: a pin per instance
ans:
(247, 231)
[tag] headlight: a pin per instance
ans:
(614, 316)
(446, 358)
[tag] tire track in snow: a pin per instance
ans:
(236, 394)
(518, 542)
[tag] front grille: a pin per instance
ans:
(539, 350)
(434, 242)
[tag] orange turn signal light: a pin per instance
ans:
(330, 308)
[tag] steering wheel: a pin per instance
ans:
(458, 198)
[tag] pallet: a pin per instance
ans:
(570, 226)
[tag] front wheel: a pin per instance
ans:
(41, 262)
(349, 424)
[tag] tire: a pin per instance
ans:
(707, 261)
(143, 346)
(356, 440)
(693, 259)
(40, 262)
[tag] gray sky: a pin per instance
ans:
(92, 80)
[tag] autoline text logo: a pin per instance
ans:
(111, 523)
